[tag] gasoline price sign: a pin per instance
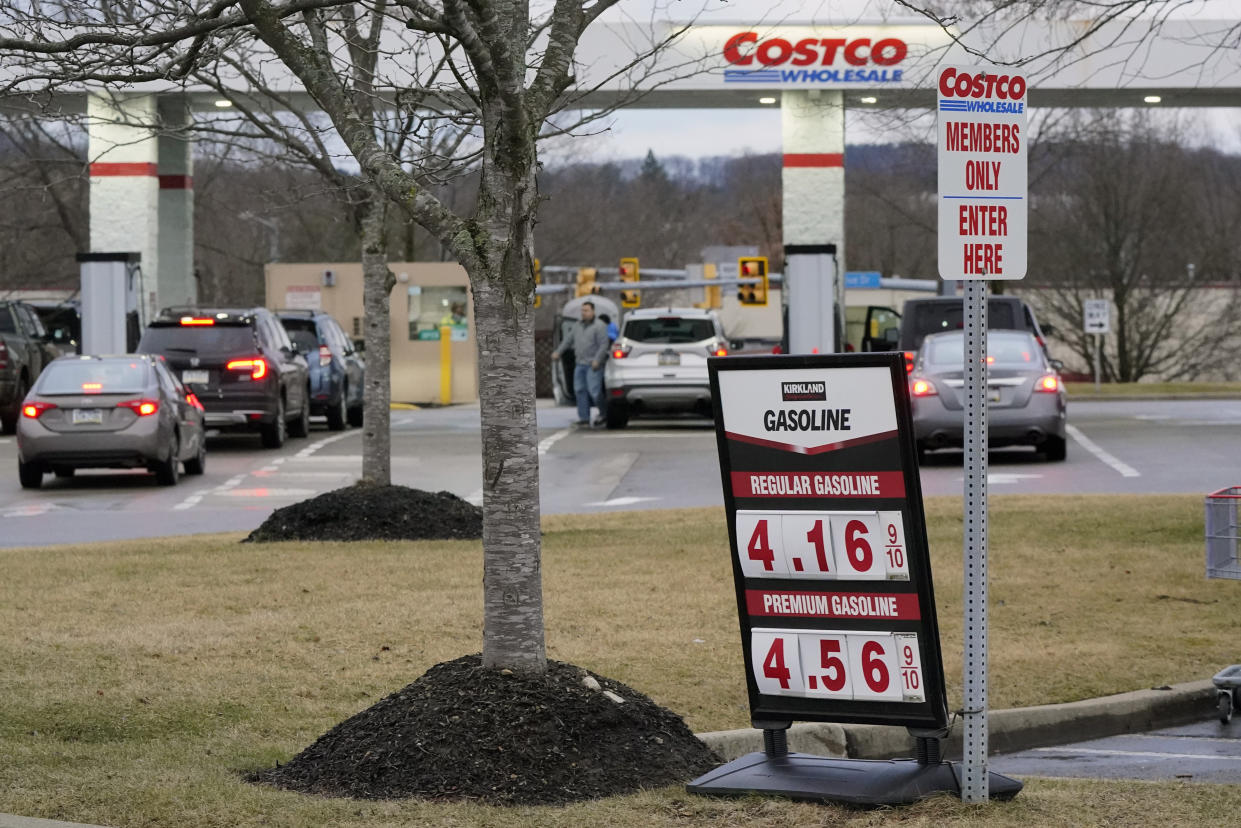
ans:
(982, 173)
(828, 539)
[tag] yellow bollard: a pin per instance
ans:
(445, 364)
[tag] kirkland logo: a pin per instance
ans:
(804, 391)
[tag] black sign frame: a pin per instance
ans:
(774, 711)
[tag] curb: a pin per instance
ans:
(1018, 729)
(10, 821)
(1194, 395)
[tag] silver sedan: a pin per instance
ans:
(1026, 403)
(109, 412)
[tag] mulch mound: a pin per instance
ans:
(366, 512)
(464, 732)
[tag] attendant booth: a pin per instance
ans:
(428, 297)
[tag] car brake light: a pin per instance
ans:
(35, 410)
(193, 400)
(257, 366)
(922, 388)
(1048, 384)
(776, 349)
(325, 355)
(909, 362)
(720, 352)
(143, 408)
(190, 321)
(4, 355)
(92, 387)
(620, 353)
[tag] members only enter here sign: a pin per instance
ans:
(982, 173)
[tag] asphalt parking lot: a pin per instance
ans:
(1114, 447)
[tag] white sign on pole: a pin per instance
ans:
(303, 297)
(1097, 316)
(982, 173)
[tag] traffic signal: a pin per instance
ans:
(752, 267)
(538, 280)
(629, 273)
(586, 281)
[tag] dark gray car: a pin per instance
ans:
(109, 412)
(1026, 401)
(337, 370)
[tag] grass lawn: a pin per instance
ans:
(1153, 389)
(140, 679)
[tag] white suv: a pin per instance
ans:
(659, 363)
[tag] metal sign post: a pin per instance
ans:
(974, 787)
(982, 236)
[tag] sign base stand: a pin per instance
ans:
(801, 776)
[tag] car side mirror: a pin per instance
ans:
(1049, 330)
(359, 345)
(1056, 365)
(736, 344)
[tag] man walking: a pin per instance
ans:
(589, 341)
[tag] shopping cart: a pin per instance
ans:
(1222, 533)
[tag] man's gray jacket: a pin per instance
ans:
(589, 342)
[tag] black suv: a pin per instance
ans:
(241, 365)
(24, 352)
(337, 370)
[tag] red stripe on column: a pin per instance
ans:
(110, 168)
(176, 182)
(814, 159)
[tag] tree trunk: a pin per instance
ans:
(377, 282)
(502, 281)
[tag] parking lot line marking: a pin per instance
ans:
(318, 444)
(1111, 460)
(1151, 754)
(4, 440)
(546, 443)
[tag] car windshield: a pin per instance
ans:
(206, 339)
(1005, 349)
(303, 332)
(668, 330)
(94, 376)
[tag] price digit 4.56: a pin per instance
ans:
(776, 663)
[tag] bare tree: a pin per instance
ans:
(489, 62)
(1141, 241)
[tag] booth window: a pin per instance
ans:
(431, 308)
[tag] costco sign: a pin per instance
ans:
(982, 174)
(858, 57)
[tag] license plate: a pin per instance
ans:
(197, 377)
(670, 359)
(993, 396)
(87, 416)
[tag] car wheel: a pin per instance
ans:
(300, 427)
(1055, 449)
(1225, 708)
(355, 416)
(8, 424)
(30, 475)
(63, 472)
(337, 414)
(168, 472)
(275, 432)
(618, 415)
(198, 463)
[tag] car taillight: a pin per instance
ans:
(776, 349)
(257, 366)
(620, 353)
(4, 355)
(143, 408)
(193, 400)
(1049, 383)
(718, 351)
(909, 362)
(922, 388)
(325, 356)
(195, 321)
(35, 410)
